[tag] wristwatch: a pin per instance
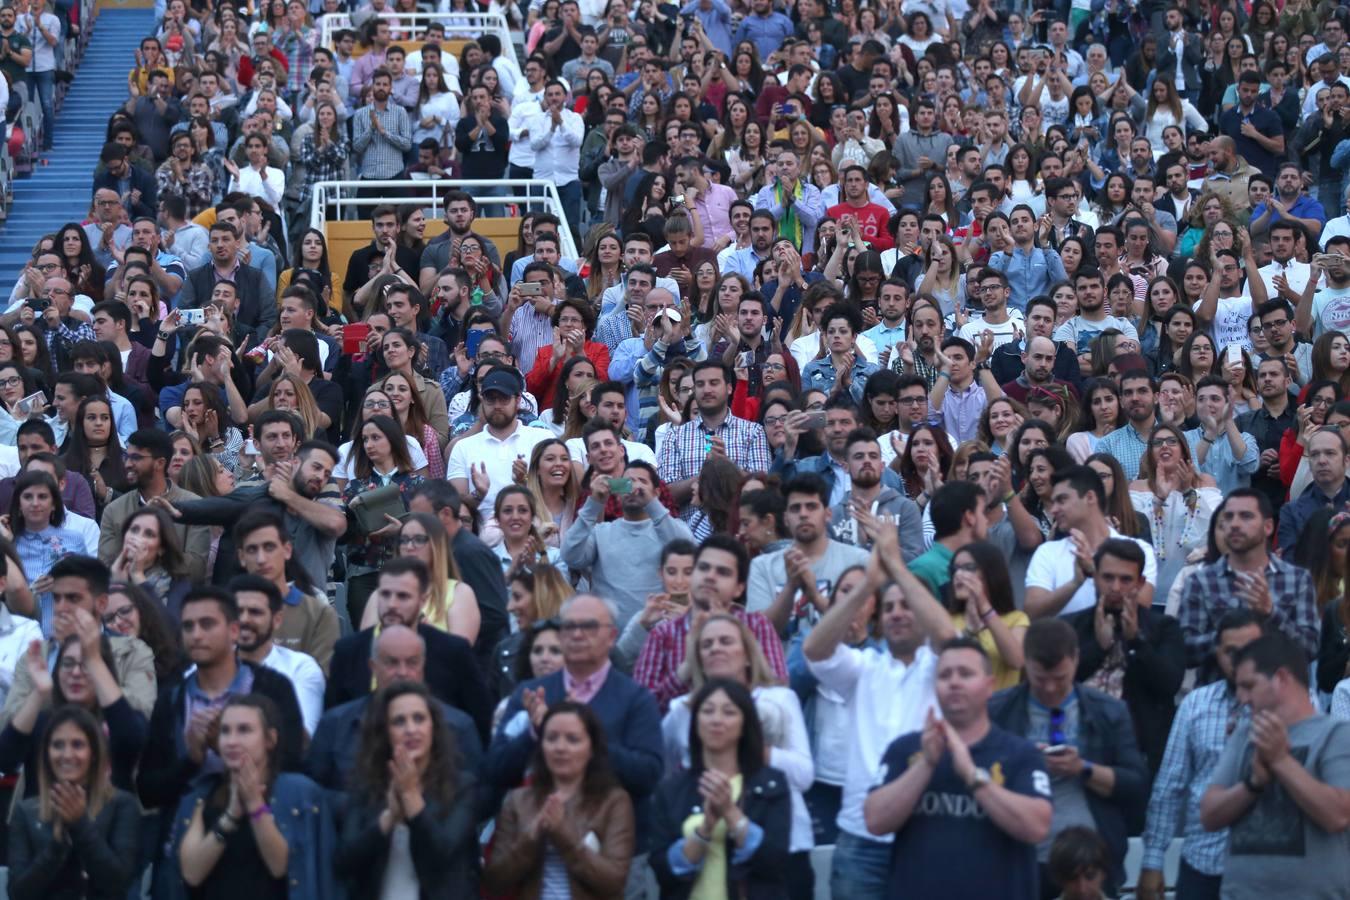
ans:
(978, 779)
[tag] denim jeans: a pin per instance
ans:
(570, 195)
(44, 84)
(860, 869)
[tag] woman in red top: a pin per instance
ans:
(573, 325)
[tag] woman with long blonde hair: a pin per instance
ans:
(553, 481)
(452, 605)
(292, 395)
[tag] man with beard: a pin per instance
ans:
(712, 430)
(869, 504)
(1323, 309)
(918, 355)
(1038, 354)
(300, 491)
(796, 582)
(500, 440)
(621, 559)
(1080, 331)
(261, 612)
(1128, 650)
(400, 655)
(763, 228)
(1282, 784)
(147, 459)
(1229, 173)
(1203, 722)
(460, 213)
(841, 418)
(185, 724)
(721, 567)
(309, 625)
(451, 673)
(1031, 270)
(382, 132)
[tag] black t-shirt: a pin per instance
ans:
(949, 830)
(567, 51)
(240, 871)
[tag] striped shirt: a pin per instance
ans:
(685, 449)
(1202, 725)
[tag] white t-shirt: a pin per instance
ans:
(1052, 566)
(1080, 332)
(1230, 322)
(499, 456)
(1005, 333)
(306, 678)
(1331, 310)
(346, 466)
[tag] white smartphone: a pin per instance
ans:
(35, 400)
(1233, 354)
(192, 316)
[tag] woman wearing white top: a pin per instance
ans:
(920, 34)
(1177, 500)
(1166, 107)
(258, 179)
(437, 108)
(723, 647)
(376, 403)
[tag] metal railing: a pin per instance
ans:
(458, 25)
(334, 200)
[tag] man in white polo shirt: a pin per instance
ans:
(1059, 576)
(493, 445)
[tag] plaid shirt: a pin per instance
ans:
(1211, 591)
(198, 192)
(1128, 446)
(922, 369)
(658, 665)
(299, 49)
(685, 449)
(64, 338)
(1202, 725)
(381, 153)
(326, 163)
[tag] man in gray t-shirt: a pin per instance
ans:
(1282, 784)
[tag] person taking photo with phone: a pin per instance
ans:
(622, 558)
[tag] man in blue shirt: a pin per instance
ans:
(764, 27)
(714, 16)
(1258, 133)
(1030, 269)
(1326, 456)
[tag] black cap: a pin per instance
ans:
(500, 382)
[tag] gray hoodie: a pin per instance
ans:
(903, 513)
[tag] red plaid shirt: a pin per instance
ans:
(658, 665)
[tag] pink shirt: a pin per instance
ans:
(584, 691)
(714, 211)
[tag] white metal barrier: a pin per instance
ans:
(458, 25)
(334, 199)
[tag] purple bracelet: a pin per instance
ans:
(259, 813)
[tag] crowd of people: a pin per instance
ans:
(940, 450)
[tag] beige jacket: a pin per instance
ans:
(195, 539)
(133, 665)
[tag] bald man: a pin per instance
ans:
(399, 654)
(108, 227)
(1038, 371)
(1229, 174)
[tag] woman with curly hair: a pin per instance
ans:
(1214, 226)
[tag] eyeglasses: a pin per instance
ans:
(466, 521)
(10, 381)
(572, 626)
(1276, 324)
(912, 401)
(1322, 401)
(774, 420)
(124, 614)
(70, 664)
(1156, 443)
(47, 267)
(134, 457)
(414, 540)
(774, 367)
(375, 404)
